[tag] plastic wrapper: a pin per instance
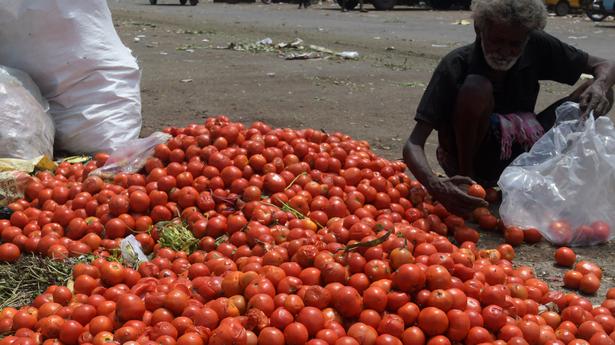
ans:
(74, 54)
(132, 253)
(565, 185)
(27, 130)
(12, 186)
(131, 157)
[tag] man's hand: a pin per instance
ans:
(594, 99)
(451, 192)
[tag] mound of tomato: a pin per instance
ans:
(304, 238)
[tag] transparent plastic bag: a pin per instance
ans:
(565, 185)
(26, 130)
(131, 157)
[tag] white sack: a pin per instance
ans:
(73, 53)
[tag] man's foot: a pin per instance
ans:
(344, 9)
(363, 10)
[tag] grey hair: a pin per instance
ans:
(530, 14)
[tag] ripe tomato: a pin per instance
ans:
(111, 273)
(565, 256)
(433, 321)
(348, 302)
(130, 307)
(296, 334)
(477, 191)
(9, 252)
(589, 283)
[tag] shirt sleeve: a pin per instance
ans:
(559, 61)
(438, 100)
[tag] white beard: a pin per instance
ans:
(497, 62)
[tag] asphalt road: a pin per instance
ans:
(402, 25)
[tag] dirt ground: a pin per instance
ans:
(186, 78)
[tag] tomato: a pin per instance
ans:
(348, 301)
(459, 325)
(565, 256)
(413, 335)
(494, 317)
(586, 267)
(391, 324)
(601, 231)
(572, 279)
(176, 301)
(477, 191)
(409, 278)
(271, 336)
(433, 321)
(312, 318)
(50, 326)
(438, 277)
(115, 228)
(514, 236)
(589, 283)
(9, 252)
(70, 332)
(532, 235)
(130, 307)
(375, 298)
(281, 317)
(190, 338)
(363, 333)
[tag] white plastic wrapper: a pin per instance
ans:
(131, 157)
(132, 253)
(565, 185)
(26, 130)
(73, 53)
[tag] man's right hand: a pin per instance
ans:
(452, 193)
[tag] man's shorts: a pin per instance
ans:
(489, 164)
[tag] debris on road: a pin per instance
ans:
(348, 55)
(295, 50)
(413, 85)
(462, 22)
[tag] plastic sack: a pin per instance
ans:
(565, 185)
(131, 157)
(27, 131)
(75, 56)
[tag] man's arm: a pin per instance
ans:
(595, 97)
(414, 154)
(446, 191)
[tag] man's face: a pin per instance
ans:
(502, 44)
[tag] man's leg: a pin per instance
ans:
(473, 107)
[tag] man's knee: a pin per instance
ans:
(475, 97)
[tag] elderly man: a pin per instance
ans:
(481, 98)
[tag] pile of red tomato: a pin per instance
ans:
(304, 238)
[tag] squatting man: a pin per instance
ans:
(481, 98)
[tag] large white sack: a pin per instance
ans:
(71, 50)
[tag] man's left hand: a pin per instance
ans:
(594, 99)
